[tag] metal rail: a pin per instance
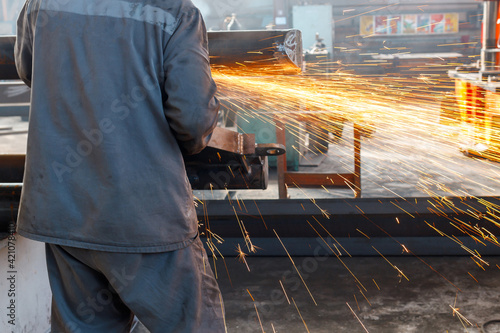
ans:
(263, 52)
(357, 224)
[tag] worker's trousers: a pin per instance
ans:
(100, 292)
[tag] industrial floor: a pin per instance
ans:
(368, 294)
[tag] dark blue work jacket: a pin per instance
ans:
(120, 89)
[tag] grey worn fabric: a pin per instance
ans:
(168, 292)
(120, 90)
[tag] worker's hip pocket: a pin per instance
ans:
(211, 296)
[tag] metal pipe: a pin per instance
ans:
(489, 46)
(262, 52)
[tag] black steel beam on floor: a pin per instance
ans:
(375, 217)
(355, 246)
(358, 223)
(359, 227)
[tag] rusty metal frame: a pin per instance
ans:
(231, 141)
(311, 180)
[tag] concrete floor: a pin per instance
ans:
(393, 304)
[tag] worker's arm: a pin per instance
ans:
(190, 107)
(23, 48)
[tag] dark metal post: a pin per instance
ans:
(281, 165)
(357, 161)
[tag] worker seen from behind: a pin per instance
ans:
(120, 90)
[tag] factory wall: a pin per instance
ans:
(252, 14)
(312, 20)
(348, 43)
(257, 14)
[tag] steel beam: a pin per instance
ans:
(358, 221)
(260, 52)
(353, 246)
(366, 218)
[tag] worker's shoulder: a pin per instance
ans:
(181, 7)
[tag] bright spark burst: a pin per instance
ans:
(464, 321)
(392, 108)
(241, 256)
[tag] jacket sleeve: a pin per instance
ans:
(23, 48)
(190, 106)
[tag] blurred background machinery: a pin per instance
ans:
(475, 106)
